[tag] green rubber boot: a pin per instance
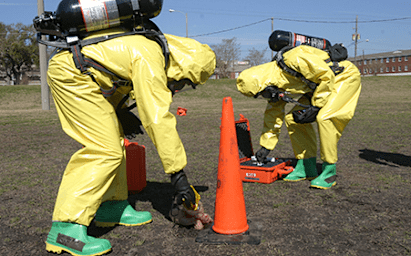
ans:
(113, 213)
(305, 169)
(73, 238)
(327, 178)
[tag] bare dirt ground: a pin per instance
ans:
(368, 212)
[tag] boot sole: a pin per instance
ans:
(112, 224)
(320, 187)
(306, 178)
(59, 249)
(294, 180)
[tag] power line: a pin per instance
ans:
(341, 22)
(221, 31)
(15, 4)
(306, 21)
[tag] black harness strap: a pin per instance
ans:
(335, 67)
(83, 64)
(74, 44)
(280, 60)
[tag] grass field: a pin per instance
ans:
(367, 213)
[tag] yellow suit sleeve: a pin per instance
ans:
(153, 102)
(141, 60)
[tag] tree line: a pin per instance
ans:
(229, 51)
(19, 52)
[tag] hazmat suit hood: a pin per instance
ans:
(189, 59)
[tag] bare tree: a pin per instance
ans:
(226, 53)
(376, 66)
(256, 57)
(18, 49)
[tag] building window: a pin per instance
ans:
(399, 59)
(393, 59)
(387, 60)
(406, 58)
(406, 68)
(393, 69)
(387, 70)
(381, 70)
(365, 62)
(399, 68)
(382, 60)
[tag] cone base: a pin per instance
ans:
(251, 236)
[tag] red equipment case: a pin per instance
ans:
(249, 170)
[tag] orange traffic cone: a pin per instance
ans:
(230, 221)
(230, 214)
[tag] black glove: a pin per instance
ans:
(184, 193)
(307, 115)
(130, 123)
(175, 86)
(271, 93)
(262, 154)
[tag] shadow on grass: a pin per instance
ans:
(383, 158)
(160, 195)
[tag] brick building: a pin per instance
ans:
(397, 63)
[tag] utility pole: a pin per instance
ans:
(272, 29)
(356, 40)
(45, 90)
(363, 59)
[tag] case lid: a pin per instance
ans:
(245, 148)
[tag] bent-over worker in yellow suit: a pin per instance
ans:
(335, 99)
(94, 184)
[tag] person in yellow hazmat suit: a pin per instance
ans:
(94, 184)
(331, 103)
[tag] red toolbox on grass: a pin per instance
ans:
(250, 170)
(136, 166)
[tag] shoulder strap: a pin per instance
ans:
(83, 64)
(335, 67)
(74, 44)
(280, 61)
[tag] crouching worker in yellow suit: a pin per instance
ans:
(331, 102)
(94, 184)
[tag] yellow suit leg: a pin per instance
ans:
(338, 111)
(303, 137)
(97, 172)
(273, 120)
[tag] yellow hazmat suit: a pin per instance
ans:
(336, 95)
(97, 172)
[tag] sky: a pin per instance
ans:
(383, 26)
